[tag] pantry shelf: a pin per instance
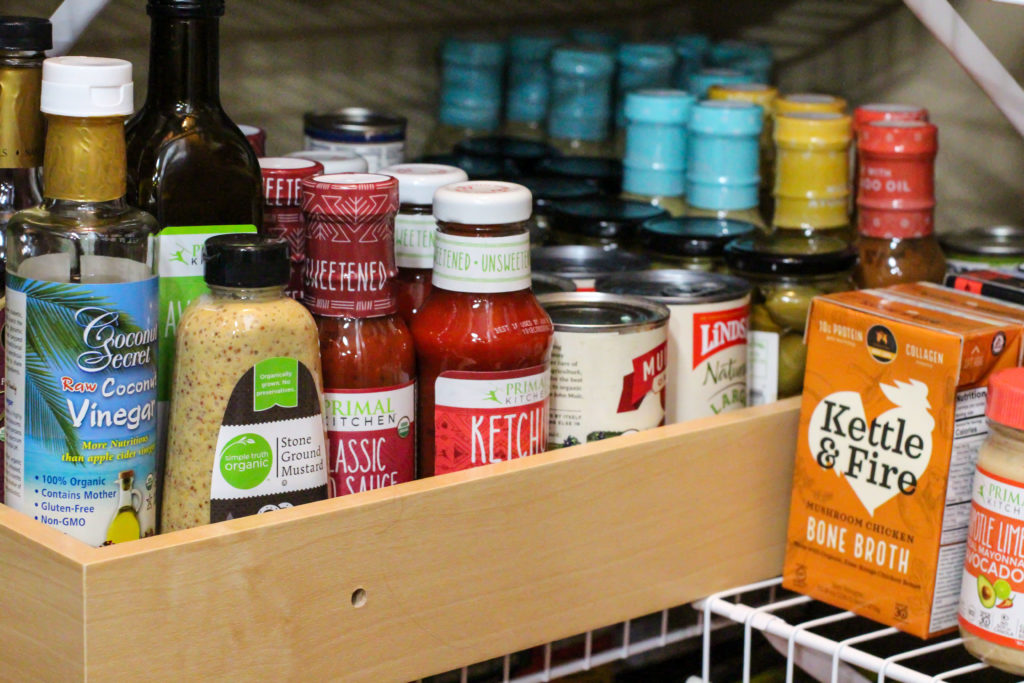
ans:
(416, 579)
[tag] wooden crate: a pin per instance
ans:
(399, 583)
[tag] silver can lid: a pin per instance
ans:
(989, 240)
(581, 261)
(676, 287)
(355, 124)
(598, 312)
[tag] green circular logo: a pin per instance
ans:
(245, 461)
(404, 427)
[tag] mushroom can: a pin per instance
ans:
(707, 337)
(608, 366)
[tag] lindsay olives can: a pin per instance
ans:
(583, 265)
(608, 366)
(707, 337)
(376, 136)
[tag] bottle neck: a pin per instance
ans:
(85, 159)
(184, 65)
(21, 123)
(248, 294)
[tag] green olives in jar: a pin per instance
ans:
(787, 272)
(689, 243)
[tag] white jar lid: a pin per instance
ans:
(483, 202)
(418, 182)
(86, 86)
(334, 161)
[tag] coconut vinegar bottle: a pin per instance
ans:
(82, 321)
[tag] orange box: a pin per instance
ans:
(892, 417)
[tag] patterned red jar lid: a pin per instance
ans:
(899, 137)
(282, 179)
(887, 111)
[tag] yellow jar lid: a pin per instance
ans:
(758, 93)
(814, 129)
(795, 102)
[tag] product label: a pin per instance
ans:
(991, 606)
(377, 155)
(3, 388)
(960, 263)
(371, 436)
(350, 254)
(270, 449)
(708, 354)
(486, 417)
(81, 406)
(763, 364)
(482, 264)
(414, 240)
(604, 385)
(179, 253)
(289, 224)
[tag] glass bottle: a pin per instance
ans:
(125, 525)
(702, 81)
(483, 342)
(691, 51)
(181, 139)
(81, 318)
(471, 73)
(654, 166)
(722, 161)
(23, 41)
(641, 66)
(763, 96)
(415, 230)
(369, 363)
(896, 203)
(579, 118)
(282, 210)
(812, 182)
(529, 84)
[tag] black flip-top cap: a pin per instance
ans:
(775, 255)
(185, 8)
(246, 260)
(693, 236)
(25, 33)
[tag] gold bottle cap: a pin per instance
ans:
(809, 102)
(813, 129)
(759, 93)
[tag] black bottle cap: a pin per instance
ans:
(246, 260)
(25, 33)
(185, 8)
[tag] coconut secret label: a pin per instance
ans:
(882, 457)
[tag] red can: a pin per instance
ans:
(282, 209)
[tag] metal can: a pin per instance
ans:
(991, 247)
(376, 136)
(608, 366)
(707, 337)
(546, 283)
(583, 265)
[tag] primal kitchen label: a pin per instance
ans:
(486, 417)
(371, 437)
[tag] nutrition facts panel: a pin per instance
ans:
(969, 432)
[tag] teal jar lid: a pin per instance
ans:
(532, 46)
(599, 37)
(473, 51)
(583, 61)
(702, 81)
(659, 106)
(655, 160)
(726, 117)
(723, 155)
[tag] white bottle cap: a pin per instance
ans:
(418, 182)
(333, 160)
(483, 202)
(86, 86)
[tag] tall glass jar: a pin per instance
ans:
(580, 115)
(529, 84)
(690, 243)
(787, 272)
(471, 92)
(654, 167)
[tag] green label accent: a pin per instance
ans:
(206, 229)
(245, 461)
(275, 382)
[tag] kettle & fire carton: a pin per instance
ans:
(892, 417)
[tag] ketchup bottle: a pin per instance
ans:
(366, 349)
(483, 342)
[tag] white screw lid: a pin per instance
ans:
(86, 86)
(334, 161)
(418, 182)
(483, 202)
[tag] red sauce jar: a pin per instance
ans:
(282, 209)
(414, 229)
(483, 342)
(366, 349)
